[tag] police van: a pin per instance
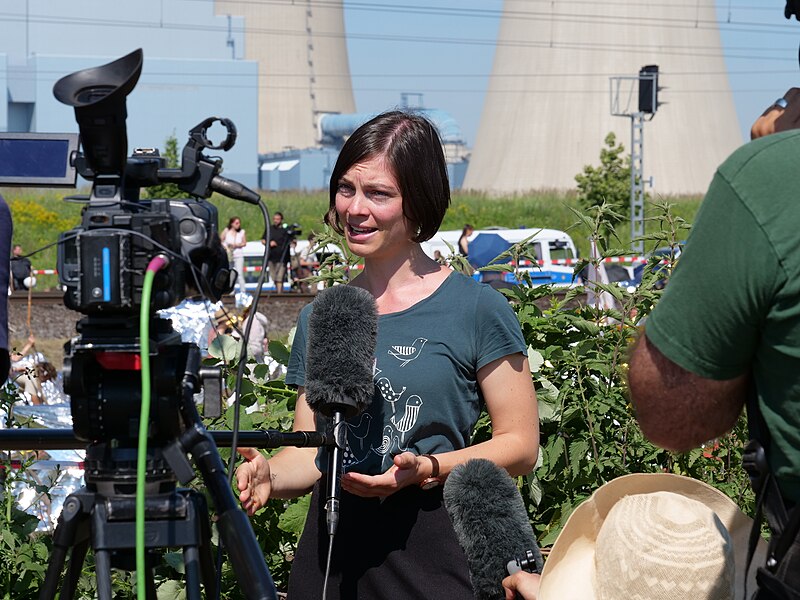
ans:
(553, 250)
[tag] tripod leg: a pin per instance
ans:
(235, 529)
(208, 569)
(191, 561)
(102, 560)
(74, 570)
(150, 585)
(50, 585)
(67, 530)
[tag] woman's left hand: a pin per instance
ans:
(407, 470)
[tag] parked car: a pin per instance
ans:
(664, 255)
(554, 253)
(625, 276)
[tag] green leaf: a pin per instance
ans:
(293, 518)
(547, 411)
(172, 589)
(578, 451)
(225, 346)
(279, 352)
(534, 490)
(535, 360)
(175, 560)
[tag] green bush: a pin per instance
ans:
(608, 184)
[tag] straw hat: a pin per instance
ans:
(652, 536)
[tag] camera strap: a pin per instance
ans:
(779, 578)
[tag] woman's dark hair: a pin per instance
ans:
(466, 229)
(232, 219)
(45, 371)
(411, 146)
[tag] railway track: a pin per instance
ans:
(50, 319)
(57, 297)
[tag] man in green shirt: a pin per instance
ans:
(728, 324)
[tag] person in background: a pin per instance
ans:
(307, 265)
(6, 231)
(48, 389)
(463, 241)
(258, 340)
(388, 193)
(21, 271)
(278, 251)
(234, 240)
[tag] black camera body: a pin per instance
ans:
(293, 230)
(102, 263)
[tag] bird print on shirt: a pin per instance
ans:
(409, 418)
(387, 391)
(405, 354)
(405, 411)
(390, 442)
(355, 450)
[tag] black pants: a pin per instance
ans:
(401, 548)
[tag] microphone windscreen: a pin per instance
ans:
(490, 522)
(342, 331)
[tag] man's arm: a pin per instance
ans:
(677, 409)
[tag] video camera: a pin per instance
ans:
(103, 266)
(293, 230)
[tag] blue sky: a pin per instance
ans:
(443, 49)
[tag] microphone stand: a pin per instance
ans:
(335, 470)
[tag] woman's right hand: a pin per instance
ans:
(253, 479)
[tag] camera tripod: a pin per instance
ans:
(102, 514)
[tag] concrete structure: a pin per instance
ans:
(303, 70)
(193, 69)
(311, 168)
(277, 70)
(547, 108)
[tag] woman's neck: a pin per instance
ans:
(400, 282)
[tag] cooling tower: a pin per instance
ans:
(547, 108)
(303, 68)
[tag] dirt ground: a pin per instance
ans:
(53, 349)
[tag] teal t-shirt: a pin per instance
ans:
(733, 303)
(427, 357)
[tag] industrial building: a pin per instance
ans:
(548, 104)
(279, 71)
(193, 69)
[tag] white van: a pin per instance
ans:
(254, 256)
(554, 250)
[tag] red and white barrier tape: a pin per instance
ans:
(522, 263)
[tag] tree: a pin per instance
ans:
(610, 183)
(168, 190)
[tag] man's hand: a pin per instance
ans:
(792, 8)
(522, 585)
(777, 118)
(253, 479)
(407, 470)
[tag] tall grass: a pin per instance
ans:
(40, 215)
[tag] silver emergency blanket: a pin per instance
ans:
(193, 319)
(59, 471)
